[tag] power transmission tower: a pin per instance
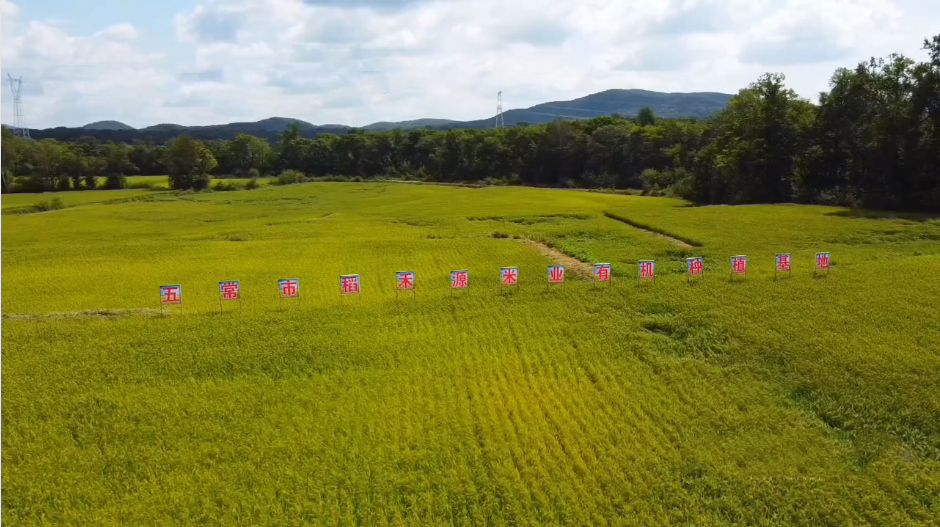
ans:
(19, 120)
(500, 122)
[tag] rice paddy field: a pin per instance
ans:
(794, 401)
(137, 186)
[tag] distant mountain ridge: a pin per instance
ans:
(417, 123)
(108, 125)
(609, 102)
(616, 101)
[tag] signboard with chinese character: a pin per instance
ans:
(695, 266)
(229, 290)
(822, 262)
(289, 287)
(459, 279)
(781, 264)
(647, 269)
(509, 276)
(739, 265)
(556, 274)
(405, 280)
(171, 294)
(602, 272)
(349, 284)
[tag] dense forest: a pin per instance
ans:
(872, 140)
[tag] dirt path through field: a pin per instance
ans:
(556, 256)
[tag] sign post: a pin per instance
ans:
(171, 295)
(782, 265)
(459, 280)
(647, 270)
(556, 275)
(509, 276)
(602, 274)
(739, 266)
(229, 290)
(287, 288)
(405, 281)
(822, 263)
(696, 267)
(349, 285)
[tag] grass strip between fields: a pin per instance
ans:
(681, 241)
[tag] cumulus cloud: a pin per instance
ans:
(794, 50)
(212, 25)
(547, 34)
(696, 17)
(660, 55)
(67, 77)
(8, 8)
(376, 4)
(214, 75)
(119, 32)
(359, 61)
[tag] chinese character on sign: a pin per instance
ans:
(783, 262)
(229, 290)
(458, 279)
(349, 283)
(289, 287)
(739, 264)
(509, 275)
(696, 265)
(822, 261)
(647, 268)
(556, 273)
(405, 279)
(602, 272)
(171, 294)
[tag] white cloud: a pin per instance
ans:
(69, 80)
(119, 33)
(328, 61)
(8, 8)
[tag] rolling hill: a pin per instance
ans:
(404, 125)
(609, 102)
(108, 125)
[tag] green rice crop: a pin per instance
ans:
(802, 400)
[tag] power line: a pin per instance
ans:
(500, 121)
(19, 118)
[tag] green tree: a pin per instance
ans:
(46, 161)
(760, 137)
(147, 157)
(247, 152)
(188, 162)
(645, 116)
(73, 167)
(9, 158)
(114, 165)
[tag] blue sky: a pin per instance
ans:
(359, 61)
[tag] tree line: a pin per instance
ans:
(872, 140)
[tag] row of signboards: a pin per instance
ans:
(509, 276)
